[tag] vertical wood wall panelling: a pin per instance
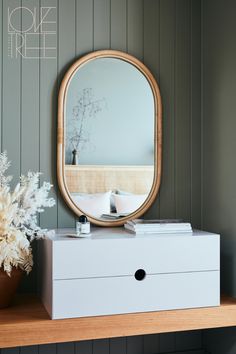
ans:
(48, 349)
(220, 340)
(84, 347)
(32, 349)
(30, 114)
(188, 340)
(202, 104)
(10, 351)
(118, 345)
(151, 58)
(167, 342)
(84, 27)
(145, 29)
(192, 352)
(118, 25)
(101, 24)
(196, 113)
(30, 96)
(48, 118)
(167, 76)
(101, 346)
(11, 76)
(134, 345)
(151, 344)
(135, 28)
(66, 56)
(151, 37)
(183, 111)
(219, 125)
(1, 71)
(66, 348)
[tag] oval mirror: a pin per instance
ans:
(109, 137)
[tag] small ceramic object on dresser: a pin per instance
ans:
(75, 157)
(18, 227)
(83, 226)
(115, 272)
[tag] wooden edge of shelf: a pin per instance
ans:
(26, 322)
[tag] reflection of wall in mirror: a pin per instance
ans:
(78, 135)
(123, 131)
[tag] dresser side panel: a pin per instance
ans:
(46, 274)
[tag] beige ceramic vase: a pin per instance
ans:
(8, 286)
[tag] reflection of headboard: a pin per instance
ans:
(99, 179)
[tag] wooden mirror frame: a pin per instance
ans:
(157, 135)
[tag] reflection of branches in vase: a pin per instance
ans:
(87, 108)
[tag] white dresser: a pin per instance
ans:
(115, 272)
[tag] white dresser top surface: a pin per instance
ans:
(104, 233)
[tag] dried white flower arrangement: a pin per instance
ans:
(18, 217)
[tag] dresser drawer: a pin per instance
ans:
(88, 258)
(107, 296)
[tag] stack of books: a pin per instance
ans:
(140, 226)
(114, 216)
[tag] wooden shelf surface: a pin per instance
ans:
(26, 322)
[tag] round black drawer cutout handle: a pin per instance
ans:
(140, 274)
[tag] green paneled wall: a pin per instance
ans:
(166, 35)
(186, 343)
(219, 146)
(219, 142)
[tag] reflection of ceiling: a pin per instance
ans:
(99, 179)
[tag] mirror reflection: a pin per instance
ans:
(109, 124)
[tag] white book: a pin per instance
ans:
(164, 227)
(114, 215)
(153, 231)
(181, 227)
(155, 221)
(140, 224)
